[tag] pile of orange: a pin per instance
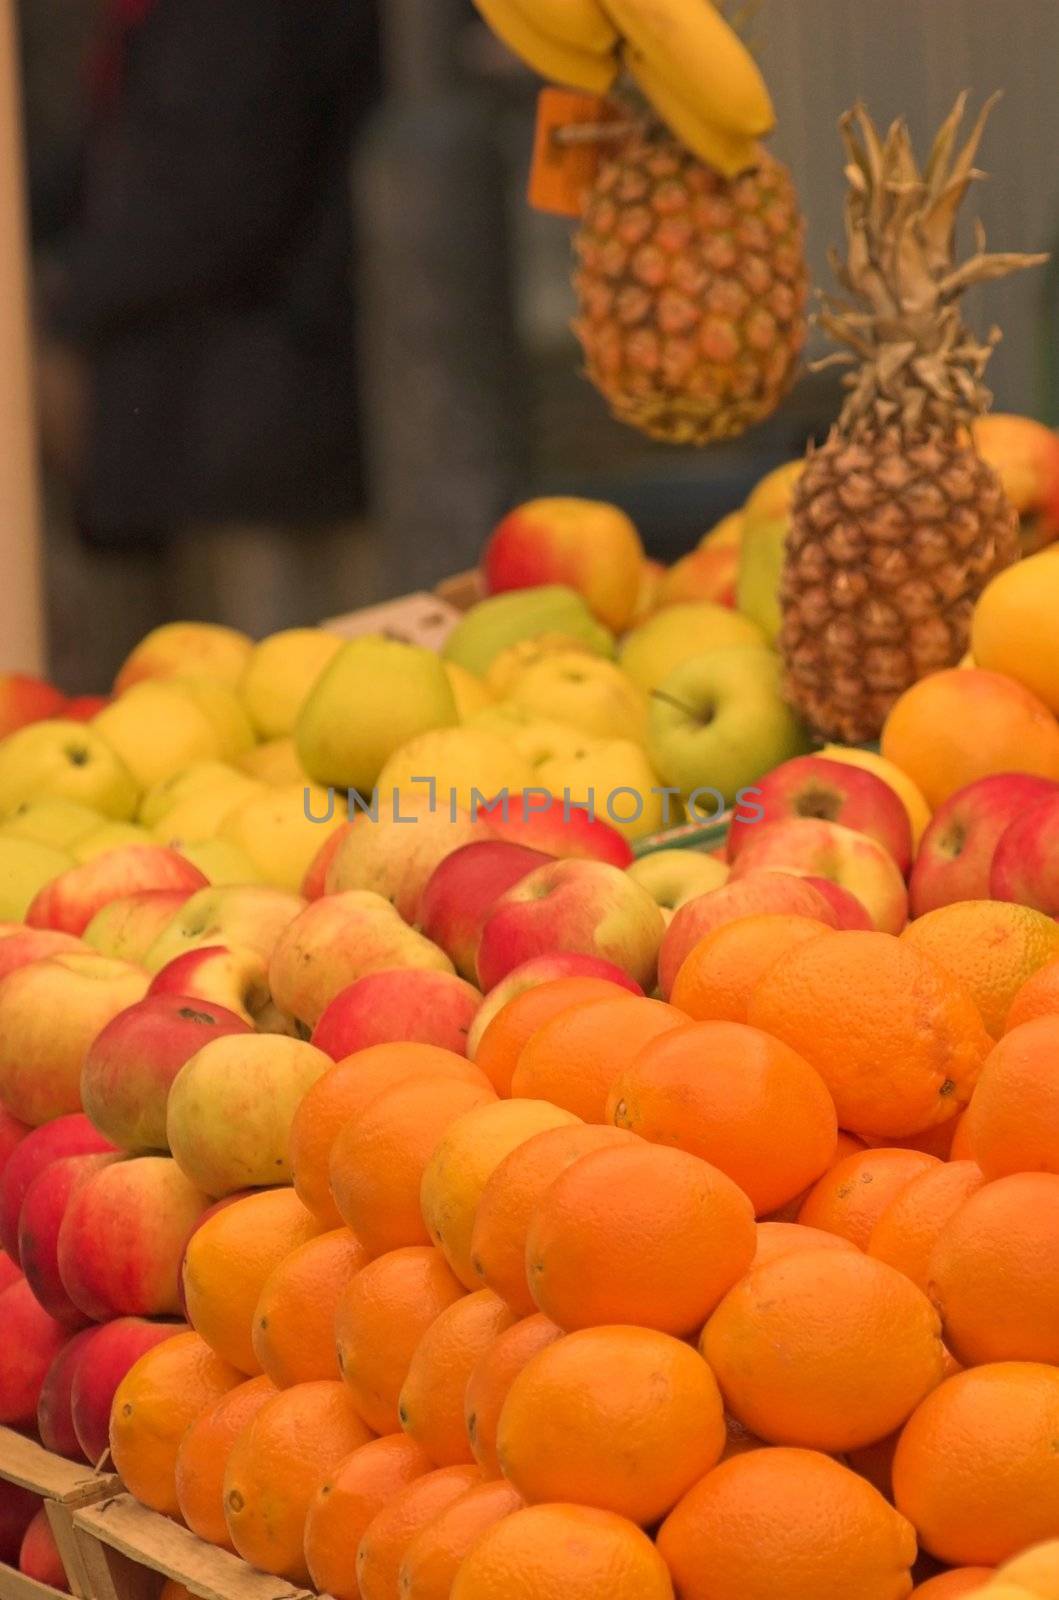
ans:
(752, 1294)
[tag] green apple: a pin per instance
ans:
(25, 867)
(584, 692)
(601, 774)
(760, 569)
(719, 722)
(504, 619)
(280, 674)
(65, 760)
(662, 643)
(375, 696)
(58, 823)
(456, 767)
(673, 876)
(157, 729)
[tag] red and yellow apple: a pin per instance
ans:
(242, 917)
(393, 852)
(830, 850)
(44, 1206)
(104, 1360)
(70, 901)
(546, 822)
(37, 1149)
(545, 969)
(587, 545)
(1025, 865)
(830, 791)
(399, 1004)
(127, 927)
(955, 856)
(462, 891)
(32, 1339)
(178, 648)
(763, 892)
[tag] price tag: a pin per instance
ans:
(563, 166)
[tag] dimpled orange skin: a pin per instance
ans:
(379, 1157)
(434, 1557)
(492, 1376)
(1038, 997)
(563, 1552)
(638, 1234)
(498, 1239)
(294, 1322)
(431, 1406)
(790, 1523)
(1013, 1119)
(349, 1499)
(721, 972)
(908, 1230)
(851, 1197)
(623, 1419)
(954, 1585)
(976, 1469)
(380, 1320)
(824, 1350)
(514, 1025)
(386, 1538)
(739, 1100)
(203, 1456)
(989, 946)
(776, 1239)
(574, 1059)
(994, 1272)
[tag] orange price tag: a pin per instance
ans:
(562, 170)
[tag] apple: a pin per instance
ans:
(589, 545)
(337, 940)
(64, 760)
(25, 869)
(956, 853)
(544, 969)
(158, 728)
(766, 518)
(314, 884)
(830, 850)
(45, 1204)
(249, 917)
(131, 1064)
(1025, 453)
(55, 1422)
(39, 1559)
(680, 633)
(231, 1107)
(103, 1361)
(609, 781)
(25, 699)
(546, 823)
(462, 891)
(52, 821)
(279, 674)
(38, 1148)
(83, 707)
(122, 1235)
(850, 913)
(651, 575)
(583, 691)
(707, 573)
(506, 668)
(275, 761)
(192, 803)
(1025, 865)
(127, 927)
(178, 648)
(537, 739)
(72, 899)
(811, 786)
(50, 1011)
(110, 836)
(585, 906)
(470, 693)
(463, 768)
(18, 1507)
(673, 876)
(717, 723)
(375, 695)
(909, 793)
(397, 1005)
(30, 1344)
(224, 865)
(503, 620)
(223, 709)
(763, 892)
(12, 1133)
(393, 851)
(236, 980)
(281, 829)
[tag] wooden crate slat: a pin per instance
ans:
(423, 619)
(26, 1463)
(14, 1585)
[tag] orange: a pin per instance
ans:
(1013, 1119)
(953, 1585)
(574, 1059)
(1038, 997)
(464, 1160)
(514, 1024)
(994, 1272)
(498, 1239)
(976, 1470)
(276, 1466)
(909, 1228)
(203, 1457)
(434, 1557)
(343, 1092)
(989, 946)
(294, 1321)
(739, 1100)
(824, 1349)
(1036, 1568)
(492, 1376)
(898, 1042)
(961, 1148)
(847, 1144)
(155, 1403)
(380, 1320)
(775, 1239)
(935, 1141)
(569, 1552)
(851, 1198)
(638, 1234)
(953, 727)
(386, 1538)
(721, 972)
(431, 1407)
(379, 1157)
(788, 1523)
(624, 1419)
(349, 1498)
(172, 1590)
(228, 1261)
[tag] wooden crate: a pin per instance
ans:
(128, 1552)
(65, 1487)
(423, 619)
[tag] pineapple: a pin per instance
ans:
(897, 523)
(691, 288)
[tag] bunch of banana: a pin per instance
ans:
(567, 41)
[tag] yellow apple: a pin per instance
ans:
(585, 692)
(25, 867)
(242, 917)
(275, 761)
(221, 862)
(456, 767)
(110, 836)
(393, 851)
(193, 804)
(59, 759)
(224, 709)
(600, 775)
(58, 823)
(178, 648)
(673, 876)
(279, 674)
(505, 668)
(471, 694)
(772, 495)
(157, 729)
(281, 829)
(678, 634)
(726, 533)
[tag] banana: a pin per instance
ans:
(728, 153)
(579, 24)
(561, 63)
(688, 46)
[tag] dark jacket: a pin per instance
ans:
(210, 277)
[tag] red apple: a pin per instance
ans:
(544, 969)
(829, 850)
(749, 897)
(71, 900)
(235, 980)
(850, 912)
(709, 572)
(31, 944)
(83, 707)
(66, 1136)
(46, 1204)
(39, 1558)
(127, 927)
(18, 1507)
(1025, 865)
(30, 1344)
(462, 891)
(9, 1272)
(24, 699)
(314, 884)
(12, 1133)
(558, 829)
(55, 1422)
(586, 545)
(113, 1349)
(956, 851)
(401, 1004)
(831, 791)
(131, 1064)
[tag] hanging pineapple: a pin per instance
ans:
(897, 523)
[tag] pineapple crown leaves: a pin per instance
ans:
(899, 319)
